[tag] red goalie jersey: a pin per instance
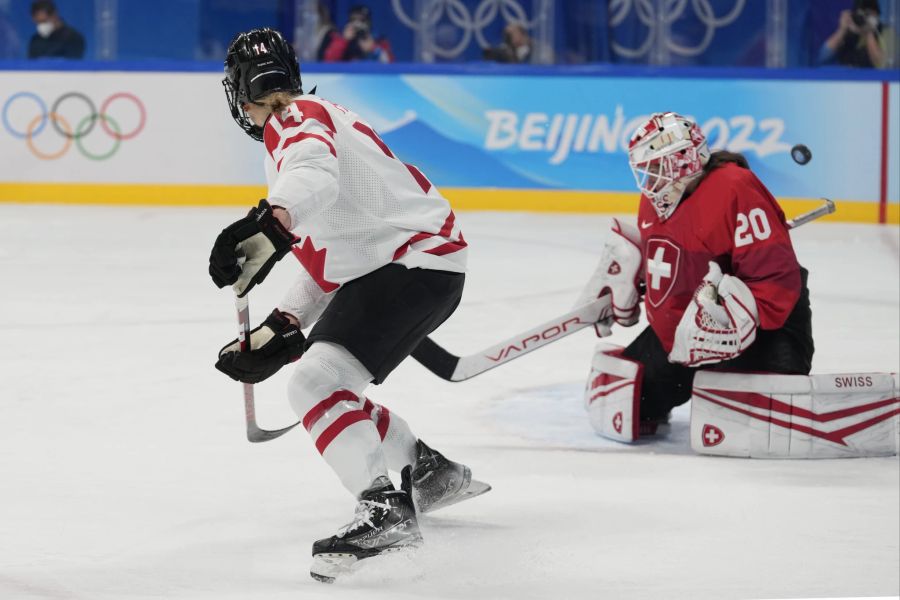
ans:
(732, 219)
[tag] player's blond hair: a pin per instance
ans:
(277, 101)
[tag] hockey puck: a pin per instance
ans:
(801, 154)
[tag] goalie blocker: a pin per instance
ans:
(757, 415)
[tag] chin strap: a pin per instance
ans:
(676, 190)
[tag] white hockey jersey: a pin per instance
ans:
(354, 205)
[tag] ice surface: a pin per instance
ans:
(124, 472)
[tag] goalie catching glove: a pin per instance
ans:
(273, 344)
(718, 324)
(260, 239)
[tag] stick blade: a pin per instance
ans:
(257, 435)
(436, 359)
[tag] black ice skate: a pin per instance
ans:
(652, 426)
(438, 482)
(385, 521)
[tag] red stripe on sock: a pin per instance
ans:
(316, 412)
(335, 429)
(368, 407)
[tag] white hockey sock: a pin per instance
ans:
(397, 439)
(325, 392)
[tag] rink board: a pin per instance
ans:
(537, 143)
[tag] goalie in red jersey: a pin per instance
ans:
(721, 284)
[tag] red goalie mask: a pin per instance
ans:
(666, 153)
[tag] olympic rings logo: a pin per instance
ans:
(468, 23)
(30, 127)
(657, 16)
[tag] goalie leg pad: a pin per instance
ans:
(613, 394)
(795, 416)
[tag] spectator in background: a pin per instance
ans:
(325, 31)
(861, 40)
(54, 39)
(515, 48)
(358, 42)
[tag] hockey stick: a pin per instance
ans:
(825, 209)
(254, 433)
(459, 368)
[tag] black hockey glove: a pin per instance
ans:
(260, 238)
(273, 344)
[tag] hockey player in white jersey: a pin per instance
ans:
(383, 261)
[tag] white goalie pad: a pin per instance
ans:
(612, 396)
(617, 274)
(795, 416)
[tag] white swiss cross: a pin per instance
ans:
(712, 435)
(658, 268)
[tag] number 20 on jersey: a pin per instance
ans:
(751, 227)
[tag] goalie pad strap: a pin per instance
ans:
(795, 416)
(613, 394)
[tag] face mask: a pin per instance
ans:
(45, 29)
(872, 21)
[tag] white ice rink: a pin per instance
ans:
(124, 471)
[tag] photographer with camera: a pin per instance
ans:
(860, 39)
(358, 42)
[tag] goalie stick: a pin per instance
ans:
(254, 433)
(825, 209)
(459, 368)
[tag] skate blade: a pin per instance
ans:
(475, 488)
(328, 567)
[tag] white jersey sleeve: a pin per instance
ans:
(302, 166)
(354, 205)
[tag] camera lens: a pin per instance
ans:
(859, 18)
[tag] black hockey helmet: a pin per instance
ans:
(258, 63)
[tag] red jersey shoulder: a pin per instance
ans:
(740, 186)
(723, 201)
